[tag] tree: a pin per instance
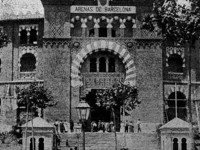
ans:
(179, 22)
(32, 97)
(119, 95)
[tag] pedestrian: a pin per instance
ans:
(131, 126)
(139, 125)
(62, 128)
(56, 125)
(126, 126)
(66, 125)
(71, 125)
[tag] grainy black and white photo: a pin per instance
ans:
(99, 74)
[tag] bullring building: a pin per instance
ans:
(77, 47)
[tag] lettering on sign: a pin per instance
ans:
(104, 9)
(101, 80)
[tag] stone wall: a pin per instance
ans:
(149, 82)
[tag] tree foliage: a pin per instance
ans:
(179, 21)
(118, 95)
(35, 95)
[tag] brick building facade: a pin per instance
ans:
(74, 49)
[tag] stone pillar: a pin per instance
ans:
(36, 143)
(122, 27)
(96, 27)
(97, 64)
(83, 26)
(109, 27)
(179, 144)
(107, 65)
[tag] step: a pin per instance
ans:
(98, 141)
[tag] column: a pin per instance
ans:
(83, 26)
(134, 27)
(97, 64)
(36, 143)
(107, 64)
(179, 144)
(28, 29)
(109, 27)
(122, 27)
(96, 27)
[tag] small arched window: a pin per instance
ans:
(28, 63)
(102, 64)
(93, 65)
(175, 62)
(184, 144)
(41, 144)
(175, 144)
(33, 36)
(32, 144)
(111, 66)
(23, 37)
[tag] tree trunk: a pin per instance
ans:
(114, 120)
(27, 114)
(33, 141)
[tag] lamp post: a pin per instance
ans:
(83, 110)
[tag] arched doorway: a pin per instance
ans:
(99, 71)
(181, 106)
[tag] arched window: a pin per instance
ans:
(175, 144)
(175, 63)
(181, 106)
(93, 65)
(32, 144)
(184, 144)
(41, 144)
(102, 64)
(103, 32)
(28, 63)
(23, 37)
(33, 36)
(111, 65)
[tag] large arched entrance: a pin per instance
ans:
(101, 70)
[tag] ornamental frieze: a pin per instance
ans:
(57, 43)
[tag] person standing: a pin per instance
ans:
(139, 125)
(71, 125)
(126, 126)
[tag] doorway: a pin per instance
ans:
(100, 113)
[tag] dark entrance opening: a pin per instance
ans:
(97, 111)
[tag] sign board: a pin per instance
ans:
(101, 80)
(104, 9)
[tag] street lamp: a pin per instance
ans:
(83, 110)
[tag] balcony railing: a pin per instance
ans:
(175, 76)
(27, 75)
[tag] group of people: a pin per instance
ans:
(129, 126)
(63, 126)
(102, 126)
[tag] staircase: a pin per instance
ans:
(106, 141)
